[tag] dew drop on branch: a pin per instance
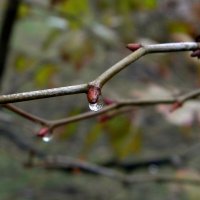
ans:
(97, 106)
(153, 169)
(47, 138)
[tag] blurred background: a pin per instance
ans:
(55, 43)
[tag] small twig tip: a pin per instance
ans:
(133, 46)
(175, 106)
(43, 132)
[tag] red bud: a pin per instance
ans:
(104, 118)
(42, 132)
(175, 106)
(93, 94)
(76, 170)
(134, 46)
(197, 39)
(196, 53)
(108, 101)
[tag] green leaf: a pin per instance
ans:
(149, 4)
(132, 143)
(176, 26)
(76, 10)
(78, 7)
(22, 62)
(23, 11)
(45, 75)
(123, 6)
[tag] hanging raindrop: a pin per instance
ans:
(153, 169)
(98, 105)
(47, 138)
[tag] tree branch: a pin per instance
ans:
(121, 104)
(104, 77)
(25, 114)
(155, 48)
(115, 106)
(41, 94)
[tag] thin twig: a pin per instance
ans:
(154, 48)
(25, 114)
(57, 123)
(121, 104)
(112, 71)
(117, 106)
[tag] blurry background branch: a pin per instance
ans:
(9, 18)
(67, 164)
(70, 165)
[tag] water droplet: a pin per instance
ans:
(153, 169)
(47, 138)
(97, 106)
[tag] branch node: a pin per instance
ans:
(45, 133)
(93, 94)
(42, 132)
